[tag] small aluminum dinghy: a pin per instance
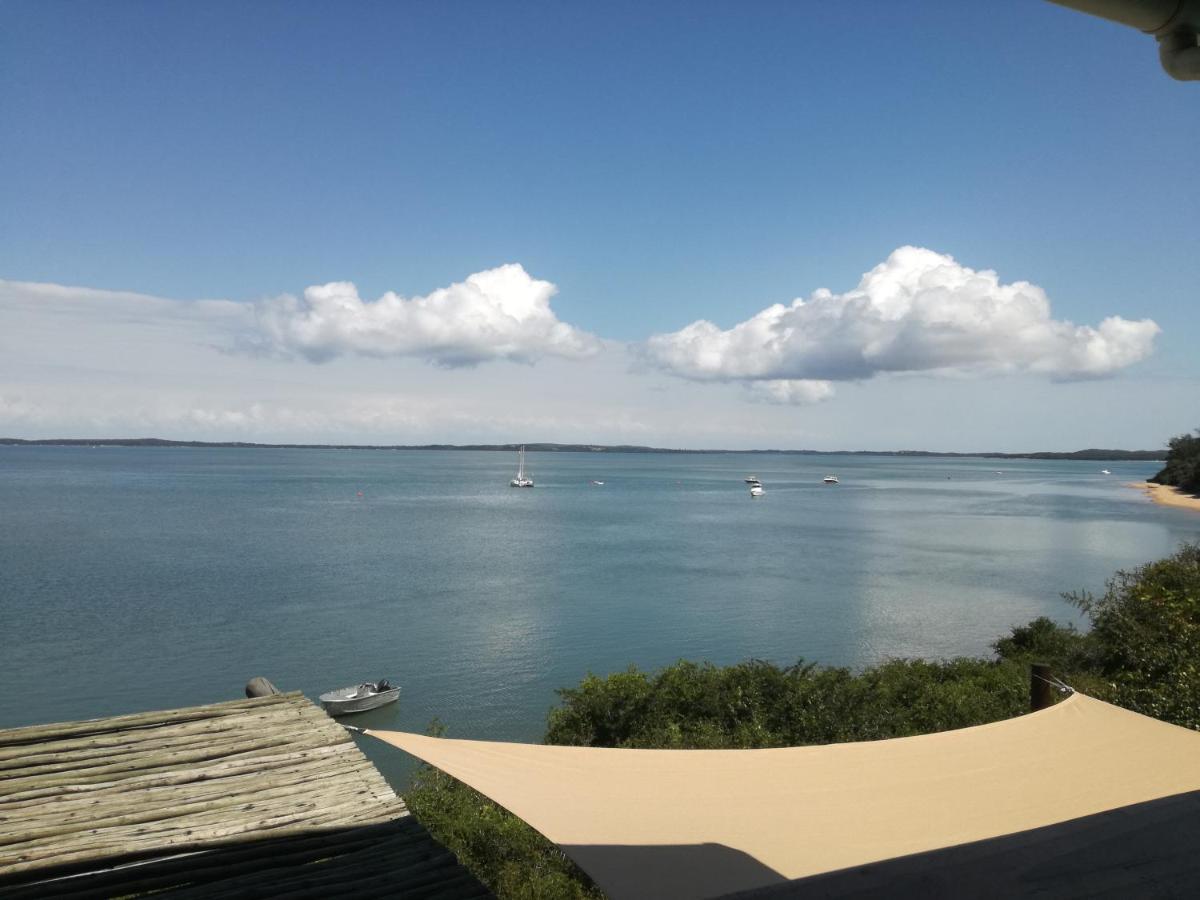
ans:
(359, 698)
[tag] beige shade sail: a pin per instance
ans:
(701, 823)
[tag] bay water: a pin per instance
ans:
(143, 578)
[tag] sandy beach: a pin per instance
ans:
(1168, 496)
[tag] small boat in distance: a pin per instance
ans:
(756, 490)
(598, 483)
(1105, 472)
(752, 479)
(831, 479)
(359, 698)
(522, 480)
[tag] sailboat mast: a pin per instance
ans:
(522, 480)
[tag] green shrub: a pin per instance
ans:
(1044, 641)
(758, 704)
(1146, 635)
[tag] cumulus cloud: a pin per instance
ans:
(794, 392)
(501, 313)
(919, 311)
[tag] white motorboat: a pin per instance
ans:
(1105, 472)
(831, 479)
(522, 479)
(359, 698)
(756, 490)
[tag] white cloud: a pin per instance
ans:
(78, 362)
(501, 313)
(795, 392)
(918, 311)
(56, 305)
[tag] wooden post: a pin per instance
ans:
(260, 687)
(1040, 693)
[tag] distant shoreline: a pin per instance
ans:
(1090, 454)
(1167, 495)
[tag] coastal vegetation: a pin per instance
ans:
(1141, 651)
(758, 704)
(1182, 469)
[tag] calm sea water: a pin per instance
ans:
(134, 579)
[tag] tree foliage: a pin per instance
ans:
(1143, 648)
(1145, 638)
(1183, 463)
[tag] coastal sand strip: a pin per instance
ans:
(1166, 495)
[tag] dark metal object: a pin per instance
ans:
(1041, 687)
(260, 687)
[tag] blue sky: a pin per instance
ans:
(658, 163)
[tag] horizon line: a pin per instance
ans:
(553, 446)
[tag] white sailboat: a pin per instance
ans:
(522, 479)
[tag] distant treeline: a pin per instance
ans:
(1183, 464)
(1093, 454)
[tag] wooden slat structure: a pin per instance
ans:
(264, 797)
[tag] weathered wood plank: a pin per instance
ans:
(76, 806)
(261, 797)
(332, 806)
(189, 775)
(134, 756)
(133, 741)
(300, 821)
(179, 813)
(170, 760)
(35, 733)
